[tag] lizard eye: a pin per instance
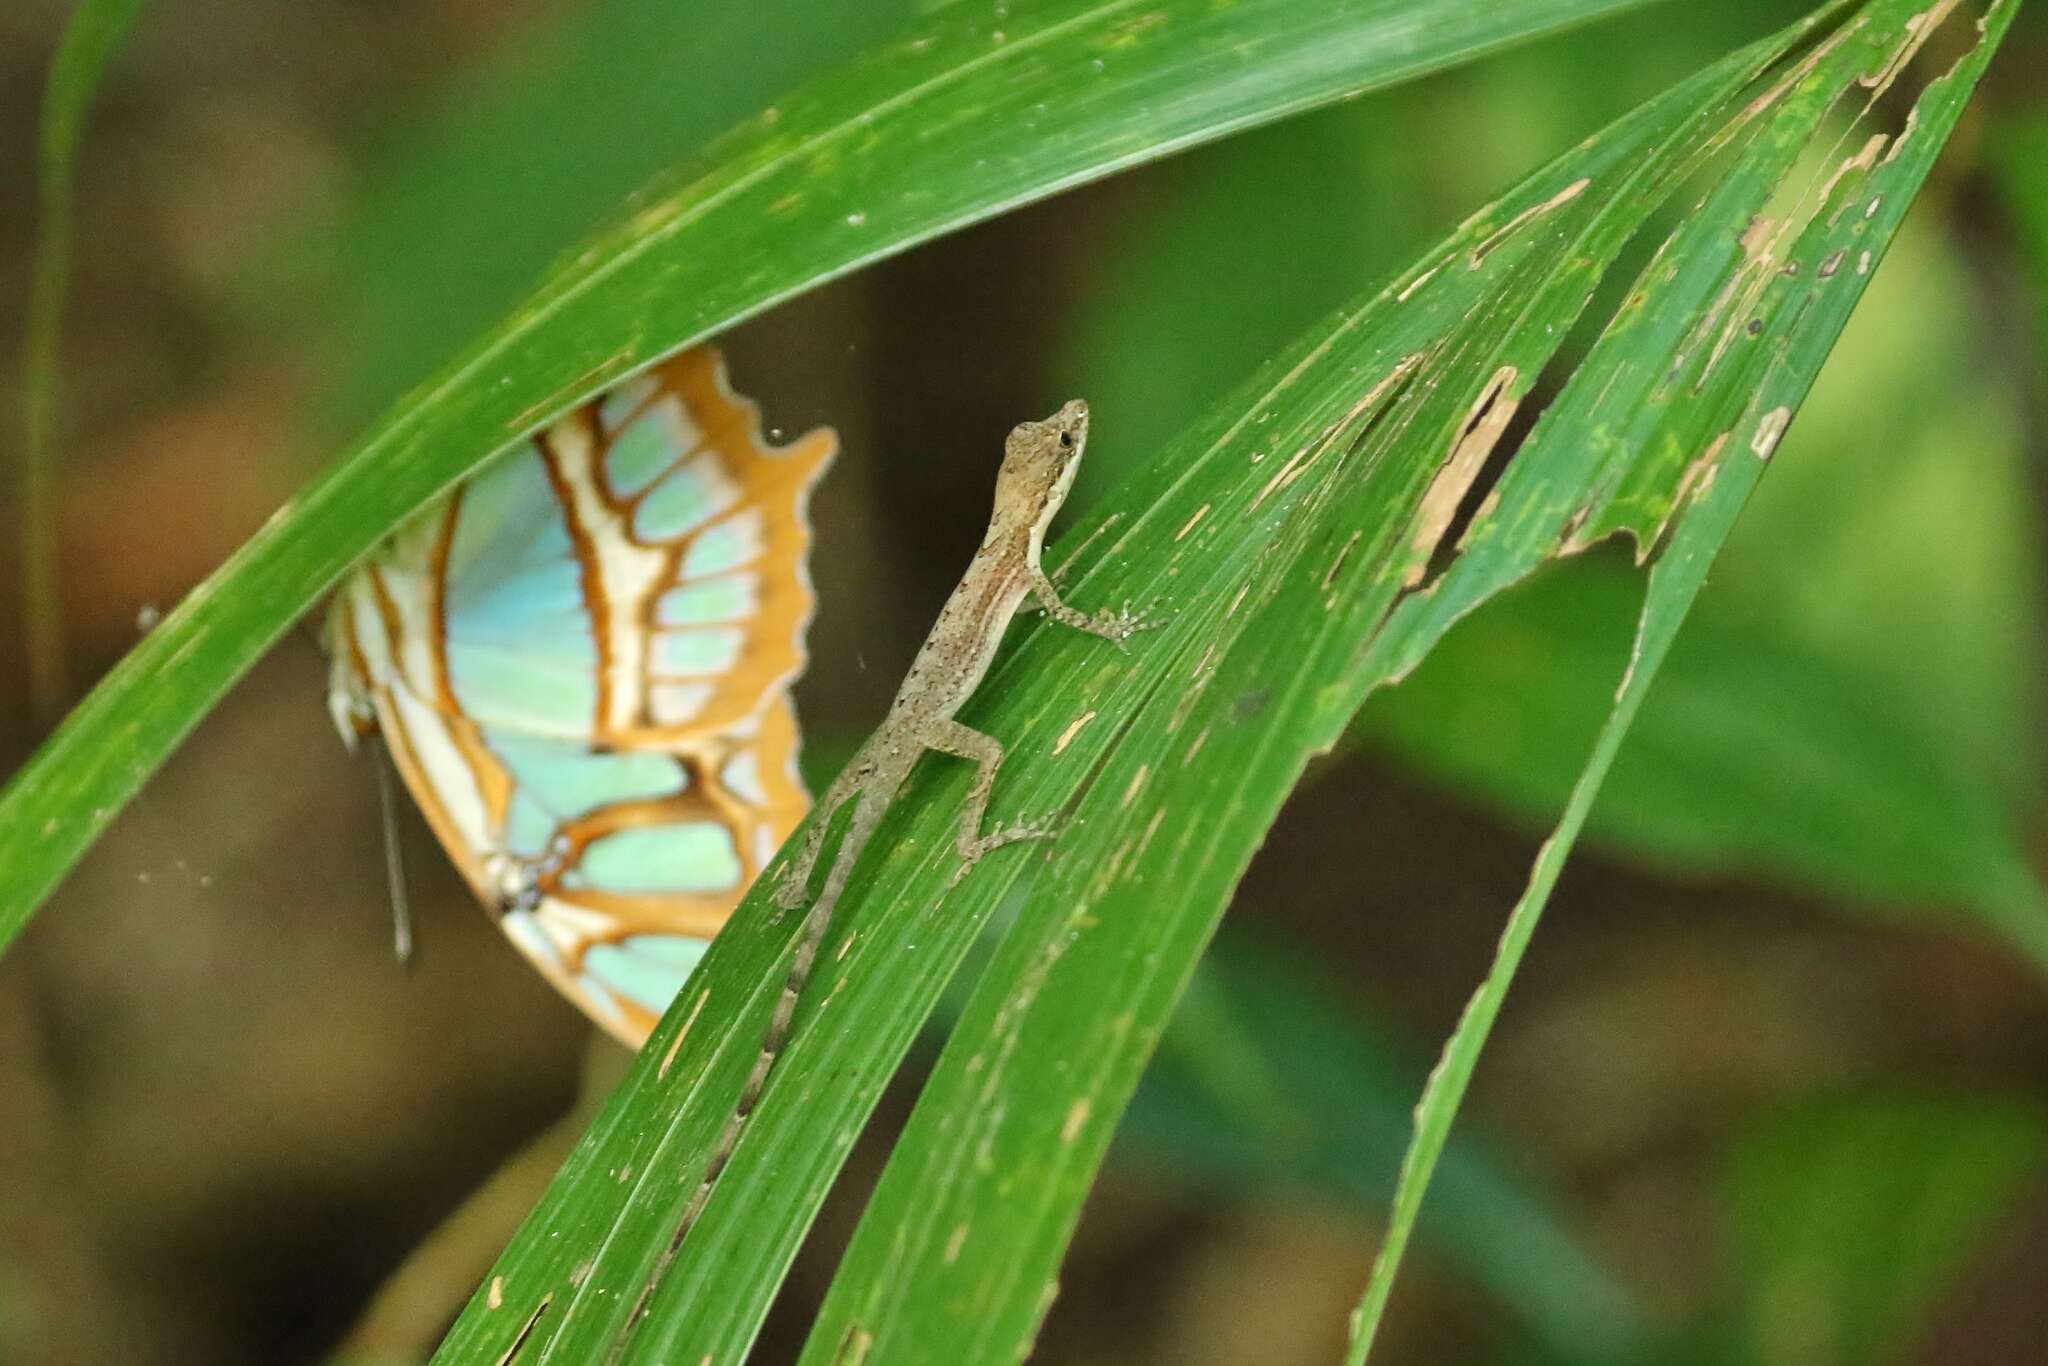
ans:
(1066, 440)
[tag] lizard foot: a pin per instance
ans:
(971, 851)
(1120, 625)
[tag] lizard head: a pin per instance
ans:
(1040, 460)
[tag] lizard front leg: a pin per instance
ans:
(964, 742)
(1116, 627)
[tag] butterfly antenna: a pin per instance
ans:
(394, 862)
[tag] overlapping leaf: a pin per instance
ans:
(1859, 724)
(1854, 725)
(969, 114)
(1299, 542)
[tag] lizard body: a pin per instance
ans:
(1040, 460)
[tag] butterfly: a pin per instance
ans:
(580, 660)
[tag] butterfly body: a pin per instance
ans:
(580, 660)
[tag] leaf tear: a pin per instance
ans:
(1073, 729)
(1769, 431)
(676, 1044)
(1476, 439)
(526, 1330)
(1500, 235)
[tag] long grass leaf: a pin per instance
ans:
(90, 42)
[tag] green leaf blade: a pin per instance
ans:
(916, 139)
(1302, 505)
(1803, 300)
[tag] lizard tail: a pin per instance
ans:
(810, 938)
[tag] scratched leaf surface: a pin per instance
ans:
(1307, 541)
(1860, 729)
(965, 115)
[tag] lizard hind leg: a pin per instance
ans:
(964, 742)
(793, 884)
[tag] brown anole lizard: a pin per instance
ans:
(1040, 460)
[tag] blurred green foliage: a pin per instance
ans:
(2019, 159)
(1848, 722)
(1272, 1081)
(464, 203)
(1849, 1217)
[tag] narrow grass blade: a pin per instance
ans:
(90, 41)
(1714, 417)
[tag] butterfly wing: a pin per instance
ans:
(580, 663)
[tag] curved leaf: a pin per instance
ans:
(542, 141)
(1708, 418)
(1861, 725)
(1296, 538)
(964, 117)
